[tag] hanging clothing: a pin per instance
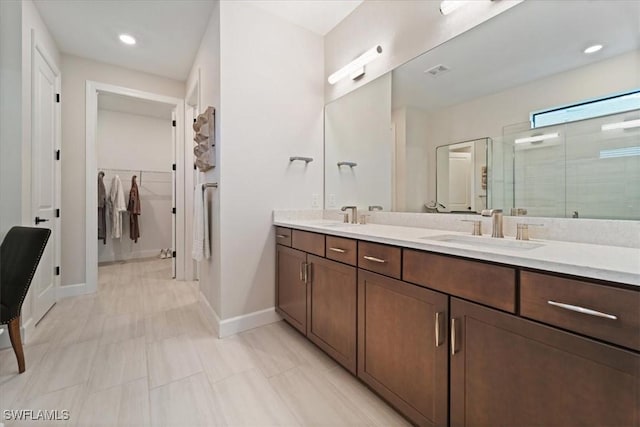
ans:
(201, 249)
(116, 206)
(102, 209)
(134, 211)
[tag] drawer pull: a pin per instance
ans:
(341, 251)
(374, 259)
(301, 273)
(282, 236)
(582, 310)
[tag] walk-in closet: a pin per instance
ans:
(136, 189)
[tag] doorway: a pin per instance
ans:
(157, 163)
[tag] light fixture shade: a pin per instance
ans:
(448, 6)
(537, 138)
(356, 64)
(622, 125)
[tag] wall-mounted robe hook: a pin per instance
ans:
(304, 159)
(350, 164)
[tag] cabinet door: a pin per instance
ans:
(402, 346)
(331, 309)
(291, 290)
(510, 371)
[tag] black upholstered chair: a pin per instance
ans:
(20, 254)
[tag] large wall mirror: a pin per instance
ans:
(451, 130)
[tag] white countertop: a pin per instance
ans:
(611, 263)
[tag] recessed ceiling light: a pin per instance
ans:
(593, 49)
(127, 39)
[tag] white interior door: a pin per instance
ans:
(173, 196)
(44, 176)
(459, 181)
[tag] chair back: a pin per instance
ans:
(20, 254)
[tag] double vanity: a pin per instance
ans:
(454, 329)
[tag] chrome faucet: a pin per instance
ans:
(496, 214)
(354, 213)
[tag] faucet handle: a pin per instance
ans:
(345, 216)
(522, 230)
(490, 212)
(363, 218)
(477, 226)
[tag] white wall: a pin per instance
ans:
(206, 72)
(131, 141)
(357, 129)
(404, 29)
(10, 115)
(488, 115)
(272, 102)
(75, 72)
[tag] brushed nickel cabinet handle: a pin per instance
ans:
(307, 273)
(282, 236)
(374, 259)
(453, 337)
(582, 310)
(301, 273)
(438, 340)
(341, 251)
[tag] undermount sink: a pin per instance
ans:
(479, 241)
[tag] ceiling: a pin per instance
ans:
(530, 41)
(128, 104)
(168, 31)
(319, 16)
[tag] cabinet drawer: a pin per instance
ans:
(612, 314)
(283, 236)
(487, 284)
(343, 250)
(312, 243)
(382, 259)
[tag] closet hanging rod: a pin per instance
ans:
(131, 170)
(209, 185)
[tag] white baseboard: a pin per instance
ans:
(26, 330)
(73, 290)
(235, 325)
(245, 322)
(147, 253)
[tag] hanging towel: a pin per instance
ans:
(201, 249)
(102, 209)
(134, 211)
(116, 206)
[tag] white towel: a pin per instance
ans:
(116, 206)
(201, 248)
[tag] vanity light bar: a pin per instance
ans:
(448, 6)
(622, 125)
(537, 138)
(356, 64)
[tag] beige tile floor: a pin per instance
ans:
(139, 353)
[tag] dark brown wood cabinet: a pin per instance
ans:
(291, 289)
(402, 346)
(510, 371)
(331, 309)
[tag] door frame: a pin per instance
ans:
(192, 104)
(91, 202)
